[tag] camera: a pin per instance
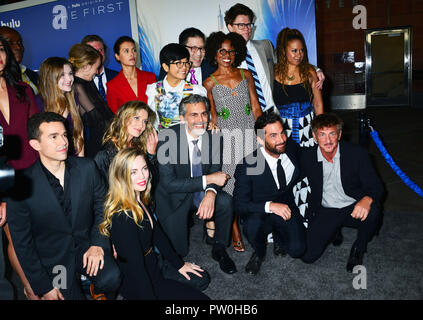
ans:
(7, 173)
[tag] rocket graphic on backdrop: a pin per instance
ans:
(220, 24)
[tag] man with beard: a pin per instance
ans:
(263, 193)
(190, 162)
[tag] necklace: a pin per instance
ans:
(290, 78)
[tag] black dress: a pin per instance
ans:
(108, 151)
(96, 115)
(139, 265)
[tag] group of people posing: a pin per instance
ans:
(112, 168)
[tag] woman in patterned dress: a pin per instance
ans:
(295, 93)
(234, 105)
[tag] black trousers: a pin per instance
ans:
(106, 281)
(324, 226)
(176, 227)
(289, 234)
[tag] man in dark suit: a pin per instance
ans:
(263, 193)
(260, 54)
(194, 40)
(104, 74)
(14, 39)
(55, 215)
(345, 191)
(190, 162)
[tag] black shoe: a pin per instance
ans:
(225, 263)
(355, 259)
(206, 238)
(339, 238)
(254, 264)
(277, 250)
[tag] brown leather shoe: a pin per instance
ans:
(98, 296)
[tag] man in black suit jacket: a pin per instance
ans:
(345, 191)
(14, 39)
(194, 40)
(55, 215)
(105, 74)
(182, 190)
(263, 194)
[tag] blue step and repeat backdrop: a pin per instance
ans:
(50, 28)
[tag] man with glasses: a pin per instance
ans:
(260, 54)
(194, 40)
(165, 95)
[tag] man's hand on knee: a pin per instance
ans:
(206, 207)
(93, 259)
(281, 210)
(362, 208)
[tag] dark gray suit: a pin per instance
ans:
(176, 188)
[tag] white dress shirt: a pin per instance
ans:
(190, 138)
(272, 162)
(265, 85)
(103, 79)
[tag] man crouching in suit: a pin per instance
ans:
(263, 193)
(190, 163)
(54, 222)
(345, 191)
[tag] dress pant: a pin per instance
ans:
(327, 223)
(176, 227)
(289, 234)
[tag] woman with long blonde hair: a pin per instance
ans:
(96, 115)
(132, 126)
(134, 232)
(295, 93)
(56, 89)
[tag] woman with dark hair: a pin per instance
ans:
(17, 105)
(131, 83)
(96, 115)
(234, 104)
(129, 222)
(295, 93)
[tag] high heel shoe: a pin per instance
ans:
(237, 242)
(206, 238)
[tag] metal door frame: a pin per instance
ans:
(408, 32)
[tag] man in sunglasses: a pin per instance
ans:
(260, 53)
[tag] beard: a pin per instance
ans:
(199, 131)
(276, 149)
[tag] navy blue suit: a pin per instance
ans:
(251, 193)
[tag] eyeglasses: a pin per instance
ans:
(181, 64)
(242, 26)
(195, 49)
(224, 52)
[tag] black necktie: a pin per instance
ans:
(281, 175)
